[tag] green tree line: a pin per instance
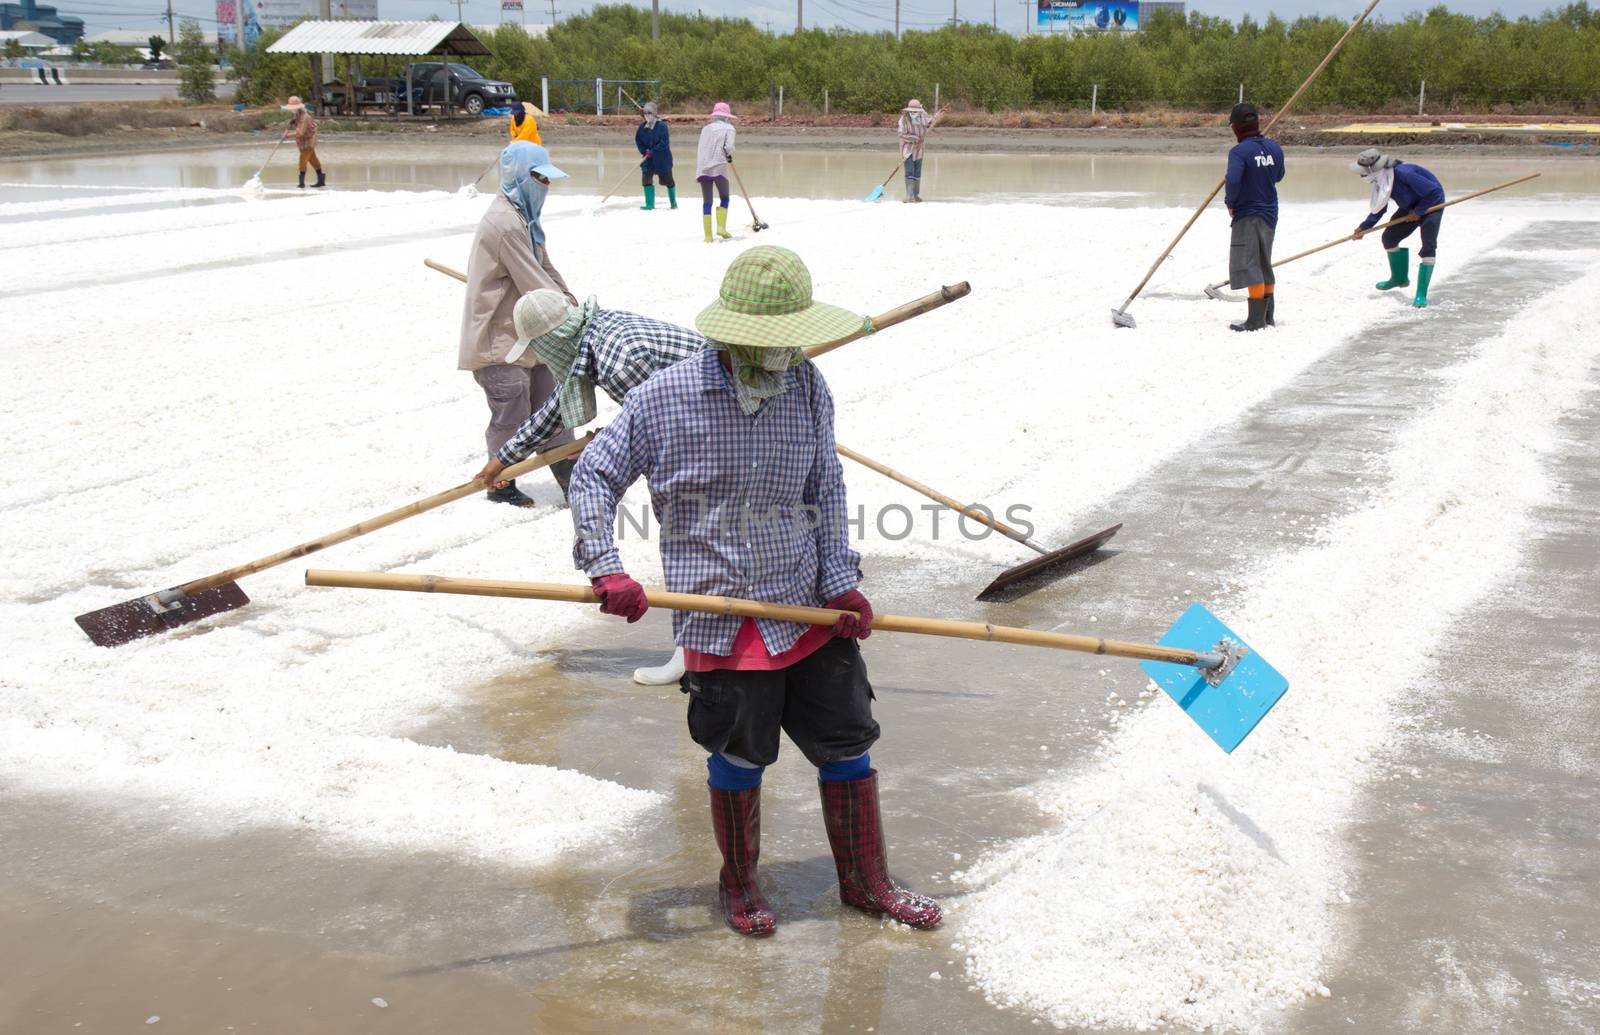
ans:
(1551, 60)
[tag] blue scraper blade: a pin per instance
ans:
(1228, 711)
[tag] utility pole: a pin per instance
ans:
(170, 37)
(1027, 16)
(552, 12)
(799, 15)
(326, 13)
(897, 19)
(655, 19)
(460, 16)
(994, 14)
(955, 17)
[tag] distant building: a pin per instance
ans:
(280, 14)
(1149, 7)
(41, 18)
(27, 39)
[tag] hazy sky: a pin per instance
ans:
(854, 14)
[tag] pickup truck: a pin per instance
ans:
(425, 82)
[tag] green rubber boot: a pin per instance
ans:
(672, 196)
(1424, 274)
(649, 197)
(722, 224)
(707, 221)
(1399, 260)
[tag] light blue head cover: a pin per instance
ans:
(517, 164)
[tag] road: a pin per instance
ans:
(95, 93)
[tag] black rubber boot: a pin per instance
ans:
(1272, 306)
(1256, 317)
(302, 181)
(322, 179)
(512, 495)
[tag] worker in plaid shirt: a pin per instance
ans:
(585, 346)
(736, 445)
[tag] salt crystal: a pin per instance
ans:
(380, 1003)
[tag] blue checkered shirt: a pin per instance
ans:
(619, 350)
(743, 506)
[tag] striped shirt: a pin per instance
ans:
(619, 350)
(716, 147)
(744, 506)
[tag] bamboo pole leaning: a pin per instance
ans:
(574, 594)
(1120, 316)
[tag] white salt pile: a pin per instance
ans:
(1184, 886)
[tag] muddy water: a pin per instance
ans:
(1065, 178)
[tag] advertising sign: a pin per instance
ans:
(1088, 16)
(229, 21)
(510, 5)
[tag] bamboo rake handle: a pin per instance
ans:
(384, 520)
(755, 609)
(446, 270)
(938, 497)
(1392, 222)
(899, 314)
(1274, 121)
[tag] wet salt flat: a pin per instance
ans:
(452, 800)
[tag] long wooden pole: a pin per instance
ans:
(938, 497)
(1384, 226)
(1223, 182)
(757, 609)
(899, 314)
(360, 528)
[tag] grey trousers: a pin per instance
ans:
(513, 393)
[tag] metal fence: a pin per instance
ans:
(597, 95)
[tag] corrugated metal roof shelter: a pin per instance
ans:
(357, 39)
(410, 38)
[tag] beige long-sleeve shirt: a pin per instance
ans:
(500, 270)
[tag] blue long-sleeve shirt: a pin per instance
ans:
(1255, 165)
(1415, 190)
(657, 141)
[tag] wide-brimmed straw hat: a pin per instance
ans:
(914, 105)
(294, 104)
(721, 110)
(765, 302)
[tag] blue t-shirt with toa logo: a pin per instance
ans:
(1255, 165)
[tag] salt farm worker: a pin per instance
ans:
(521, 124)
(508, 260)
(655, 144)
(587, 346)
(747, 424)
(304, 130)
(1413, 190)
(1255, 165)
(711, 166)
(913, 132)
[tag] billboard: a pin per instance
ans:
(228, 13)
(510, 5)
(1088, 16)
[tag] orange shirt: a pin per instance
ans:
(529, 130)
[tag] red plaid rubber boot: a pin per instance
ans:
(736, 820)
(855, 832)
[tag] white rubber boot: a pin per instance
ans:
(661, 675)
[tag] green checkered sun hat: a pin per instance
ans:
(765, 302)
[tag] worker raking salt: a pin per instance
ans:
(1255, 165)
(737, 447)
(509, 259)
(1413, 190)
(711, 167)
(654, 142)
(913, 133)
(303, 129)
(586, 346)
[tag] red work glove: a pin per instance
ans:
(621, 596)
(849, 626)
